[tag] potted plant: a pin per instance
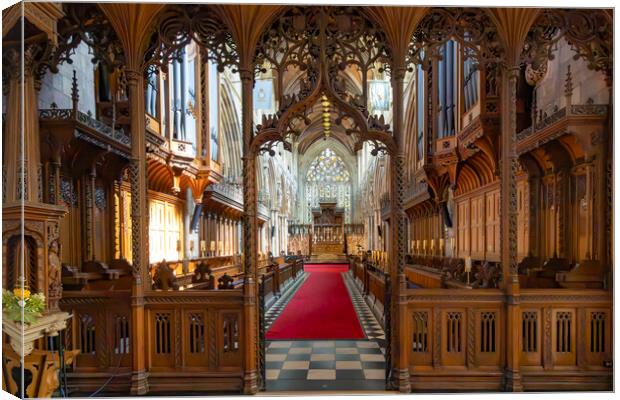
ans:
(21, 299)
(23, 319)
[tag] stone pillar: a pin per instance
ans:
(250, 229)
(139, 231)
(508, 228)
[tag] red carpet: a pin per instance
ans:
(321, 308)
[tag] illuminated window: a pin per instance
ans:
(328, 167)
(329, 179)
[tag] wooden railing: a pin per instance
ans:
(100, 329)
(278, 277)
(194, 340)
(370, 279)
(457, 339)
(567, 334)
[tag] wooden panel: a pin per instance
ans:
(421, 337)
(463, 218)
(492, 211)
(477, 227)
(531, 327)
(488, 334)
(453, 346)
(598, 340)
(523, 211)
(563, 333)
(229, 339)
(196, 334)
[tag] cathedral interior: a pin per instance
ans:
(244, 198)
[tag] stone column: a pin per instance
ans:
(250, 229)
(139, 230)
(508, 228)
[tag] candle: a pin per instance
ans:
(467, 264)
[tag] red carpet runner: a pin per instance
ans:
(321, 308)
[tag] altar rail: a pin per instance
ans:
(457, 339)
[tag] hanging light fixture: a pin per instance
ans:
(327, 127)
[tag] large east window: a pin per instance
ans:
(328, 179)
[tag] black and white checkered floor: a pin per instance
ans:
(352, 365)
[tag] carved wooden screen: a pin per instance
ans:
(564, 333)
(453, 337)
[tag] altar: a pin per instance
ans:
(328, 235)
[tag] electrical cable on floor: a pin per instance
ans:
(114, 375)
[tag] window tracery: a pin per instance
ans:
(328, 179)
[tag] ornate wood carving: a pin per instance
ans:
(471, 27)
(322, 42)
(589, 33)
(471, 337)
(178, 25)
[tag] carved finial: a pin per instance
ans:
(75, 93)
(568, 85)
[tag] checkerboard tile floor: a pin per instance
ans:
(352, 365)
(325, 365)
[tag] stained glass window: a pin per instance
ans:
(328, 178)
(328, 167)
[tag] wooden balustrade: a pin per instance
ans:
(100, 330)
(194, 340)
(457, 339)
(566, 339)
(371, 281)
(279, 277)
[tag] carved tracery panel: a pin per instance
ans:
(323, 47)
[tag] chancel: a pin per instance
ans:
(204, 198)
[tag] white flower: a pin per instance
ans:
(21, 303)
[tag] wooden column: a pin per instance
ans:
(22, 155)
(89, 212)
(139, 231)
(508, 228)
(250, 229)
(53, 192)
(400, 353)
(187, 220)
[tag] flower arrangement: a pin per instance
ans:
(21, 298)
